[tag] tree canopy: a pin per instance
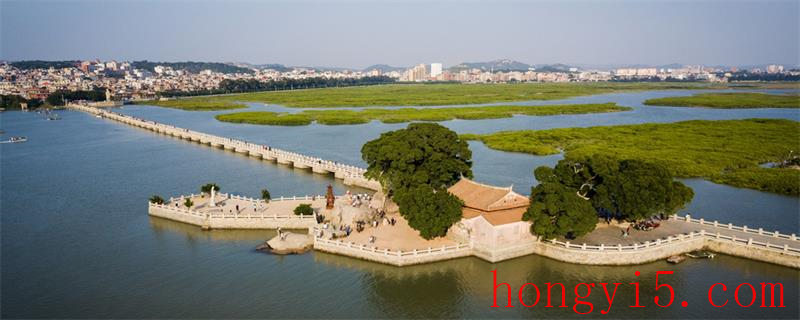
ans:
(422, 154)
(58, 97)
(429, 211)
(303, 209)
(415, 166)
(206, 188)
(569, 196)
(556, 210)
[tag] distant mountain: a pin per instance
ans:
(274, 66)
(496, 65)
(383, 68)
(558, 67)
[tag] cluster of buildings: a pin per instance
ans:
(126, 82)
(698, 73)
(434, 72)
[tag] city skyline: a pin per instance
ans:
(357, 34)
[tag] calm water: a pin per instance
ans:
(77, 242)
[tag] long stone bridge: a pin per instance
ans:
(351, 175)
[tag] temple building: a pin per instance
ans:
(492, 216)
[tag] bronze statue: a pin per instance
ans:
(329, 198)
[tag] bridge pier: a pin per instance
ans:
(300, 165)
(283, 160)
(319, 169)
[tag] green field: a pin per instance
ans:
(730, 100)
(340, 117)
(196, 104)
(726, 152)
(428, 94)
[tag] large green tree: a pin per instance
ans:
(557, 210)
(429, 211)
(639, 190)
(415, 166)
(569, 196)
(422, 154)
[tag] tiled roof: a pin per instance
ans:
(485, 197)
(497, 205)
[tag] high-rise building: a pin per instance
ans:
(436, 69)
(417, 73)
(774, 68)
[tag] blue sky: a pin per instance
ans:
(357, 34)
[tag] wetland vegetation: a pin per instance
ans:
(730, 100)
(727, 152)
(341, 117)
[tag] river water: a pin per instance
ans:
(77, 241)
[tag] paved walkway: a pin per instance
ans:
(244, 207)
(611, 235)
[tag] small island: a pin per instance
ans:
(730, 100)
(345, 117)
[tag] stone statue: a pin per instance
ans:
(211, 202)
(329, 198)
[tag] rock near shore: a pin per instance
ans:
(293, 243)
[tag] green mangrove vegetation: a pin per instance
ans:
(433, 94)
(196, 104)
(341, 117)
(727, 152)
(730, 100)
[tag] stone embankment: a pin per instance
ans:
(237, 212)
(756, 244)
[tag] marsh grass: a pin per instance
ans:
(428, 94)
(726, 152)
(344, 117)
(196, 104)
(734, 100)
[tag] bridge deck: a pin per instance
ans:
(351, 175)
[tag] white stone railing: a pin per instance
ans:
(175, 204)
(633, 247)
(177, 209)
(415, 254)
(397, 253)
(347, 170)
(729, 226)
(750, 242)
(262, 216)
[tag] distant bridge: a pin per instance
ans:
(351, 175)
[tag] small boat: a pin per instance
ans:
(54, 117)
(701, 254)
(676, 259)
(15, 140)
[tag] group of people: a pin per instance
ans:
(358, 199)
